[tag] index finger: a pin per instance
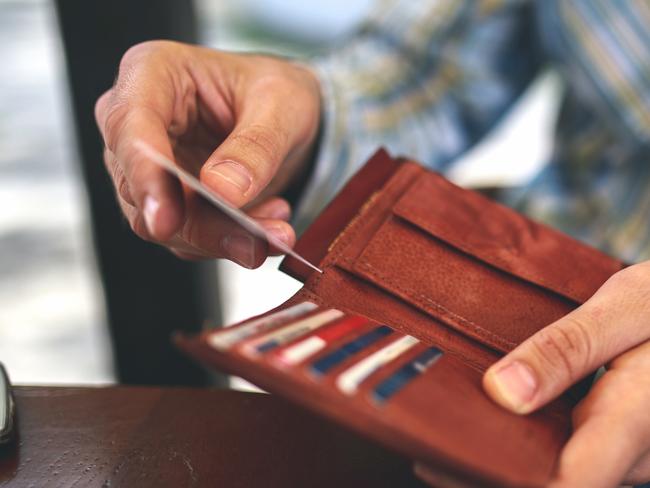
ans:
(131, 111)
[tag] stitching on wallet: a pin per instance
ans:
(428, 302)
(343, 235)
(348, 234)
(570, 292)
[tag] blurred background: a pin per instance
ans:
(60, 233)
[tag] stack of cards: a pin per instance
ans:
(325, 344)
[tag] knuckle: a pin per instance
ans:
(134, 220)
(627, 289)
(114, 122)
(144, 49)
(274, 79)
(101, 105)
(109, 160)
(118, 177)
(565, 348)
(265, 142)
(634, 277)
(122, 187)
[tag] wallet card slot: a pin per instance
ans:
(424, 417)
(282, 335)
(336, 358)
(224, 339)
(302, 349)
(397, 380)
(447, 406)
(348, 381)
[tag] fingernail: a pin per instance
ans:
(515, 386)
(279, 233)
(240, 249)
(233, 173)
(150, 209)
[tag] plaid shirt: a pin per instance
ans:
(429, 78)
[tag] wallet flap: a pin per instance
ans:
(505, 239)
(477, 266)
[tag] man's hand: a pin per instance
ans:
(246, 124)
(611, 440)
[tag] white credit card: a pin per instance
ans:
(349, 381)
(247, 223)
(224, 339)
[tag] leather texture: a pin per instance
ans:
(406, 248)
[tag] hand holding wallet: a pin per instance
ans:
(424, 286)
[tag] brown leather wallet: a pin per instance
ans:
(411, 252)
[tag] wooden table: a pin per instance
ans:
(178, 437)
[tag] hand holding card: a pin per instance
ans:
(241, 230)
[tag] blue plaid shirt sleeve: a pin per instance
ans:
(427, 79)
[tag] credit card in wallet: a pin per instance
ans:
(235, 215)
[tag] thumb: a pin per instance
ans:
(547, 363)
(556, 357)
(244, 164)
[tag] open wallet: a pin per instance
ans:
(424, 286)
